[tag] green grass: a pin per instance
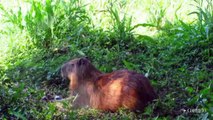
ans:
(171, 42)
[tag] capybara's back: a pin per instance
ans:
(122, 88)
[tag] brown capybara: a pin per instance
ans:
(107, 91)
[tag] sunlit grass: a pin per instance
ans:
(142, 11)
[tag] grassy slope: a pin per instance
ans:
(172, 48)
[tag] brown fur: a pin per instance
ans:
(110, 91)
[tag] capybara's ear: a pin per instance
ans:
(82, 61)
(87, 58)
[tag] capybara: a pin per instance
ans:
(107, 91)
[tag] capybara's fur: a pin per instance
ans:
(107, 91)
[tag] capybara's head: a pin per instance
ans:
(78, 71)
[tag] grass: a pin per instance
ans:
(168, 41)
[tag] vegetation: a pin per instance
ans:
(171, 42)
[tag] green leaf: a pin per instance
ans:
(142, 25)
